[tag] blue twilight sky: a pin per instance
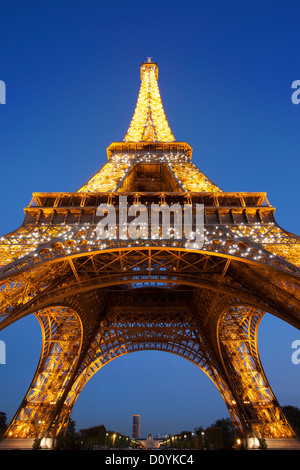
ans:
(71, 70)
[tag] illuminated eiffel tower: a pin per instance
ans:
(97, 299)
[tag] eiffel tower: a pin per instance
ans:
(97, 299)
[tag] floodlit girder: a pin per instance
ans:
(62, 341)
(156, 266)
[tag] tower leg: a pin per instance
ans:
(62, 340)
(254, 397)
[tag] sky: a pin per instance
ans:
(71, 71)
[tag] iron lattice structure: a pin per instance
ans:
(98, 299)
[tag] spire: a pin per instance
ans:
(149, 122)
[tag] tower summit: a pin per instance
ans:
(149, 122)
(149, 134)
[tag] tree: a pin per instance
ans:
(3, 424)
(292, 413)
(214, 437)
(200, 433)
(262, 443)
(184, 440)
(95, 435)
(228, 435)
(70, 441)
(223, 437)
